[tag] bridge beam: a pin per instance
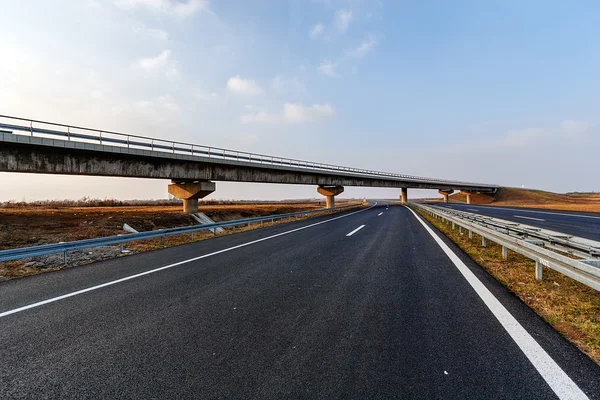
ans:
(445, 193)
(190, 192)
(404, 195)
(330, 192)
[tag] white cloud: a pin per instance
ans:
(342, 20)
(282, 85)
(162, 62)
(180, 9)
(363, 49)
(245, 86)
(522, 137)
(316, 31)
(292, 114)
(156, 34)
(328, 68)
(575, 129)
(160, 107)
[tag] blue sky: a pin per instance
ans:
(503, 92)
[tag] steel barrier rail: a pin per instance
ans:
(584, 271)
(35, 251)
(559, 241)
(74, 133)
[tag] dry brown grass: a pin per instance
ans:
(570, 307)
(527, 198)
(32, 226)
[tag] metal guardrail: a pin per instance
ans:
(542, 246)
(35, 251)
(58, 131)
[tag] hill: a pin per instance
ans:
(529, 198)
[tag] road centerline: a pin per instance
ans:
(356, 230)
(531, 218)
(380, 213)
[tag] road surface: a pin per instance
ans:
(311, 309)
(586, 225)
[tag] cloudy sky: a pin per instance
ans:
(500, 92)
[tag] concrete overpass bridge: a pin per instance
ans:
(34, 146)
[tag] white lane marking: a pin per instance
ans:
(380, 213)
(127, 278)
(534, 219)
(472, 209)
(552, 373)
(356, 230)
(541, 212)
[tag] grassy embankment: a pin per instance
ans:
(528, 198)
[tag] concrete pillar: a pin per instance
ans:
(330, 192)
(445, 193)
(190, 192)
(468, 198)
(404, 195)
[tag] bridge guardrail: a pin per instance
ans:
(76, 133)
(65, 247)
(534, 243)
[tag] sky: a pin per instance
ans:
(504, 92)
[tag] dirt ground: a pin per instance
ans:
(514, 197)
(38, 225)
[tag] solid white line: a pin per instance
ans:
(356, 230)
(380, 213)
(552, 373)
(127, 278)
(535, 219)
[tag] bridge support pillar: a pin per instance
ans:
(190, 192)
(404, 195)
(469, 196)
(446, 193)
(330, 192)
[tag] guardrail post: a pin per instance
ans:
(453, 225)
(505, 252)
(460, 229)
(470, 234)
(483, 242)
(65, 257)
(121, 246)
(538, 270)
(192, 235)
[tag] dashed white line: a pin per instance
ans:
(553, 374)
(127, 278)
(472, 209)
(540, 212)
(356, 230)
(380, 213)
(534, 219)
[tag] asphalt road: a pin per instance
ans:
(300, 310)
(586, 225)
